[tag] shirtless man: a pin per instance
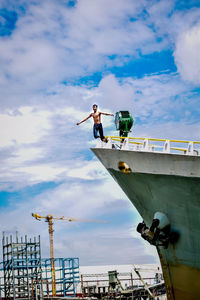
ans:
(97, 123)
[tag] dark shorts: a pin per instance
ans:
(98, 131)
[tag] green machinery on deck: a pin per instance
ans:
(124, 122)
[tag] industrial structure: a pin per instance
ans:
(24, 274)
(107, 283)
(66, 276)
(1, 280)
(123, 282)
(49, 219)
(21, 266)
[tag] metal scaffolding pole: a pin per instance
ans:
(66, 276)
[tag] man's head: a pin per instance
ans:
(95, 106)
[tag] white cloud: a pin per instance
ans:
(151, 98)
(74, 42)
(73, 198)
(169, 22)
(23, 126)
(87, 170)
(187, 54)
(24, 154)
(40, 173)
(104, 27)
(52, 42)
(81, 200)
(40, 140)
(171, 130)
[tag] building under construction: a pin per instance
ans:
(24, 274)
(21, 266)
(66, 275)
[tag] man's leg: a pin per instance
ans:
(101, 133)
(95, 130)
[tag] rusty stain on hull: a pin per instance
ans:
(181, 281)
(186, 282)
(166, 275)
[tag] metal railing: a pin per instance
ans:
(151, 145)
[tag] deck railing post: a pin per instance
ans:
(166, 147)
(125, 144)
(146, 145)
(190, 150)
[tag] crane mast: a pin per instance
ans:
(49, 219)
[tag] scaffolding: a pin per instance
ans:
(1, 280)
(66, 276)
(23, 274)
(22, 267)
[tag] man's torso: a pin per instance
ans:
(96, 117)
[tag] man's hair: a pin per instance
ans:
(94, 105)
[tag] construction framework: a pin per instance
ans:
(1, 280)
(66, 276)
(23, 274)
(22, 267)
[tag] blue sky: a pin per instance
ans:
(57, 58)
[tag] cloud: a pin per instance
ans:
(168, 21)
(91, 248)
(106, 28)
(187, 54)
(22, 126)
(171, 130)
(76, 41)
(158, 98)
(34, 135)
(42, 61)
(50, 36)
(102, 200)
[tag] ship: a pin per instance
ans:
(161, 177)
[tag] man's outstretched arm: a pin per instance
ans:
(84, 120)
(106, 114)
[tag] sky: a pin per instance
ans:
(58, 58)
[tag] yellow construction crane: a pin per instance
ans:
(49, 219)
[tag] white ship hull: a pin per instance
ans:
(167, 183)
